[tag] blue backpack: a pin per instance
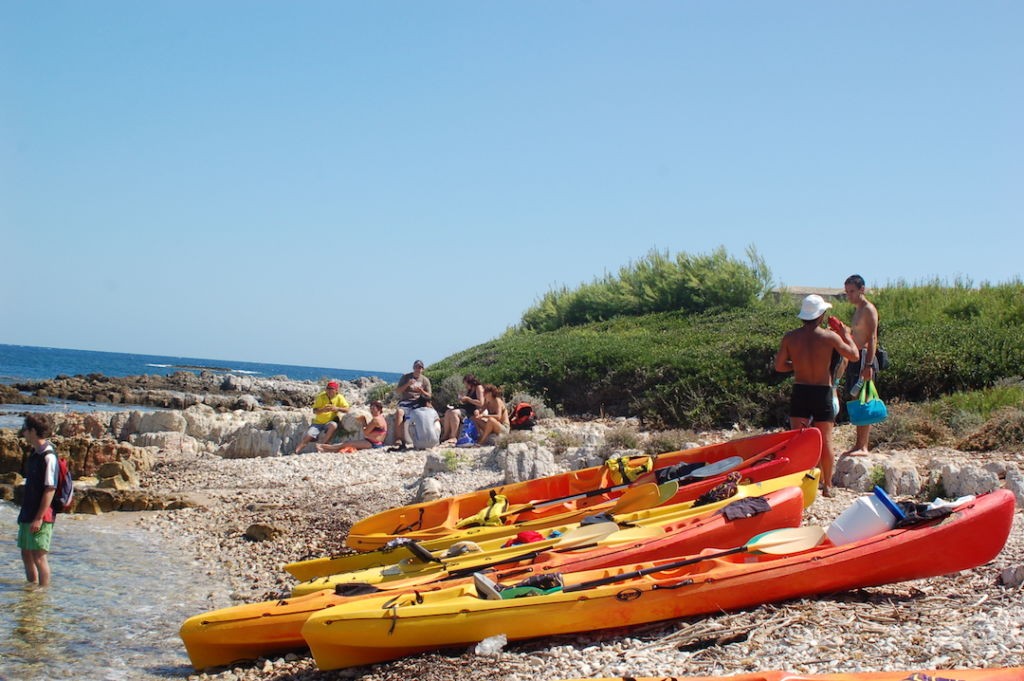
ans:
(467, 433)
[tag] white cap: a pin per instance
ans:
(813, 307)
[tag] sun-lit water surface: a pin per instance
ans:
(112, 612)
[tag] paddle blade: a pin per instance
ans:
(637, 498)
(716, 468)
(788, 540)
(586, 534)
(666, 491)
(633, 534)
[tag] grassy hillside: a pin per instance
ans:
(715, 368)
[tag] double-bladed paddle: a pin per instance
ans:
(705, 471)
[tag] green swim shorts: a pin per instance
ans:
(40, 541)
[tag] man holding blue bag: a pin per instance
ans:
(861, 371)
(807, 352)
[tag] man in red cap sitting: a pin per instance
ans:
(326, 409)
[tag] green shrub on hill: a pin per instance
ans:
(674, 369)
(656, 283)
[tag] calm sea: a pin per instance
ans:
(20, 363)
(117, 597)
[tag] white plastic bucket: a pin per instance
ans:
(866, 517)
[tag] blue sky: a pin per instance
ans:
(358, 184)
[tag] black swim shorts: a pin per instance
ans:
(853, 370)
(812, 402)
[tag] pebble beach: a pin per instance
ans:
(965, 620)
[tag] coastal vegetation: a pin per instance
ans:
(689, 342)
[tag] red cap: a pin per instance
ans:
(333, 384)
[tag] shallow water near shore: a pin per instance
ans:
(112, 611)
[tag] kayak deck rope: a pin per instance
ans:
(416, 524)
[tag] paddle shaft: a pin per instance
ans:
(646, 571)
(760, 541)
(613, 488)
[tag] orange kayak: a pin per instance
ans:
(441, 517)
(386, 627)
(997, 674)
(261, 629)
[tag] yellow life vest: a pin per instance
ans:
(489, 515)
(624, 469)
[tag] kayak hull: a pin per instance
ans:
(384, 628)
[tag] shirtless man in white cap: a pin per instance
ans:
(807, 352)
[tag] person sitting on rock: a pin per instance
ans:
(413, 392)
(469, 405)
(327, 408)
(375, 429)
(493, 419)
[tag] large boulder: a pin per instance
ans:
(164, 420)
(167, 440)
(527, 460)
(901, 476)
(250, 442)
(860, 473)
(968, 479)
(1015, 483)
(581, 457)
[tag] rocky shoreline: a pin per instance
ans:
(255, 510)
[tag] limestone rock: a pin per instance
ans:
(1012, 576)
(901, 476)
(527, 460)
(123, 424)
(233, 383)
(434, 462)
(251, 443)
(969, 479)
(261, 532)
(997, 467)
(859, 473)
(1015, 483)
(11, 478)
(116, 482)
(581, 457)
(87, 505)
(156, 421)
(167, 440)
(121, 470)
(246, 403)
(430, 489)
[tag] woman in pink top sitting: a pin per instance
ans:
(374, 432)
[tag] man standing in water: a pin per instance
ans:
(35, 521)
(865, 334)
(807, 352)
